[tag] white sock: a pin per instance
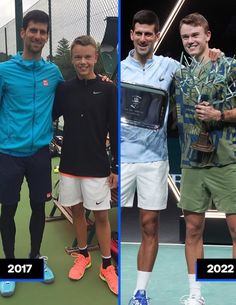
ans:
(194, 286)
(83, 248)
(142, 280)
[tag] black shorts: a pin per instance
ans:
(37, 171)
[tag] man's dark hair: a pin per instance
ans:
(35, 16)
(146, 17)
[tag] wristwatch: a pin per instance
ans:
(222, 116)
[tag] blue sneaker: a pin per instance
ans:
(139, 298)
(7, 289)
(48, 274)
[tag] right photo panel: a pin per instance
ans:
(178, 152)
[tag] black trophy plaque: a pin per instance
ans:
(143, 106)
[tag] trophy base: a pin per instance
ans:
(203, 144)
(203, 148)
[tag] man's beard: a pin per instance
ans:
(144, 54)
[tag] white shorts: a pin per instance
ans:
(151, 182)
(93, 192)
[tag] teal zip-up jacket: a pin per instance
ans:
(27, 89)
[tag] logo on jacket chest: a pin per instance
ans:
(96, 92)
(45, 82)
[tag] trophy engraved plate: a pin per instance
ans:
(143, 106)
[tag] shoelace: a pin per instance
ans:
(79, 258)
(138, 302)
(110, 271)
(186, 298)
(45, 258)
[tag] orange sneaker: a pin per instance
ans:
(109, 275)
(81, 263)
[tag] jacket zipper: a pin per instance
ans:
(33, 116)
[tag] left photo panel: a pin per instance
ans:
(59, 142)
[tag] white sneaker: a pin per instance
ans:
(192, 300)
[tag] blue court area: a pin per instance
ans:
(169, 279)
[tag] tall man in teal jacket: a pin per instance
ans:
(27, 87)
